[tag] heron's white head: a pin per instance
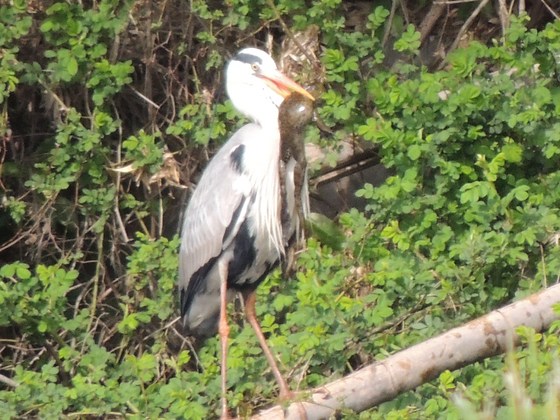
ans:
(256, 86)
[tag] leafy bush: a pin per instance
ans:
(466, 222)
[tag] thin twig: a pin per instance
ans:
(467, 24)
(504, 15)
(550, 9)
(448, 2)
(96, 279)
(389, 21)
(118, 216)
(8, 381)
(291, 34)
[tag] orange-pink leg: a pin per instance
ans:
(223, 329)
(250, 299)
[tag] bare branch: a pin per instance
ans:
(8, 381)
(467, 24)
(550, 9)
(486, 336)
(430, 19)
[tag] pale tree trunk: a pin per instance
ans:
(486, 336)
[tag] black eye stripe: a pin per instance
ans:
(248, 58)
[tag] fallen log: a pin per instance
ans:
(382, 381)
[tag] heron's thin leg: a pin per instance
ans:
(223, 328)
(250, 299)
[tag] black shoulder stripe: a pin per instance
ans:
(236, 158)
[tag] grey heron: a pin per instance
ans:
(241, 216)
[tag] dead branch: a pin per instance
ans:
(551, 10)
(486, 336)
(8, 381)
(467, 25)
(430, 19)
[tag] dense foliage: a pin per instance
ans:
(101, 102)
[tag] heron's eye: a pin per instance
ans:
(255, 67)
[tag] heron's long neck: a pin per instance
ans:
(265, 180)
(268, 120)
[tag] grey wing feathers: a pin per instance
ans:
(209, 213)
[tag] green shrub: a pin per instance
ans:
(466, 222)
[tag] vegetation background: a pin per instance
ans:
(110, 108)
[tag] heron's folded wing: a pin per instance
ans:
(216, 210)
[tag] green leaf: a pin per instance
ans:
(409, 41)
(414, 152)
(23, 272)
(512, 152)
(522, 192)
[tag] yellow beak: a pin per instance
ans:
(283, 85)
